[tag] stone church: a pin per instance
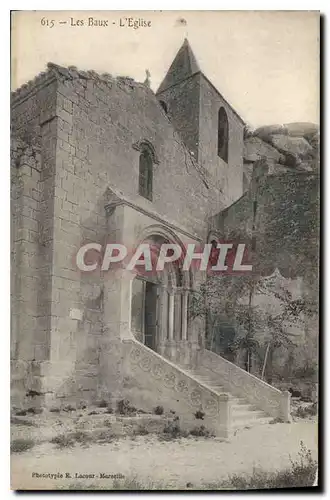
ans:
(97, 158)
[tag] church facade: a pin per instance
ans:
(103, 159)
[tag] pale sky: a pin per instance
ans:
(265, 63)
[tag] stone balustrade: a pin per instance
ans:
(161, 382)
(243, 384)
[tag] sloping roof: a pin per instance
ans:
(183, 66)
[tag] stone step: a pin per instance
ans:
(235, 400)
(243, 413)
(247, 415)
(240, 424)
(244, 406)
(218, 388)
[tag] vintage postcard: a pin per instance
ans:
(164, 250)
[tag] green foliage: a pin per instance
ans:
(124, 407)
(68, 408)
(71, 438)
(201, 431)
(20, 413)
(199, 415)
(172, 430)
(305, 411)
(301, 473)
(141, 431)
(34, 411)
(237, 324)
(105, 436)
(102, 404)
(159, 410)
(21, 445)
(22, 421)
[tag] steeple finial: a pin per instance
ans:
(183, 66)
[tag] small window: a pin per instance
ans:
(223, 135)
(164, 106)
(145, 174)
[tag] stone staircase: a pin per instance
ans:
(243, 413)
(230, 398)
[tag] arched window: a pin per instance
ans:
(164, 106)
(145, 173)
(223, 136)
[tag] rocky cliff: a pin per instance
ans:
(291, 147)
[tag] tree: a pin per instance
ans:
(233, 300)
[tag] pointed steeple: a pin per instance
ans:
(183, 66)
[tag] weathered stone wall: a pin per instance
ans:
(32, 187)
(78, 134)
(225, 177)
(193, 106)
(284, 211)
(183, 108)
(91, 142)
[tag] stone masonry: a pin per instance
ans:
(76, 142)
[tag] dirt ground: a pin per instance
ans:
(174, 463)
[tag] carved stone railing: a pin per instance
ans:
(152, 380)
(243, 384)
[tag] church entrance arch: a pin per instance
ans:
(159, 302)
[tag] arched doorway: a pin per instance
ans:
(159, 303)
(145, 311)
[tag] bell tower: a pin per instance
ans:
(208, 125)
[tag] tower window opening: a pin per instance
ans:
(145, 174)
(223, 136)
(164, 106)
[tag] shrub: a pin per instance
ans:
(305, 412)
(20, 421)
(31, 393)
(301, 473)
(135, 484)
(304, 468)
(20, 413)
(63, 441)
(141, 431)
(124, 407)
(102, 404)
(81, 437)
(172, 430)
(199, 415)
(69, 408)
(20, 445)
(159, 410)
(126, 483)
(34, 411)
(277, 420)
(200, 432)
(105, 437)
(70, 439)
